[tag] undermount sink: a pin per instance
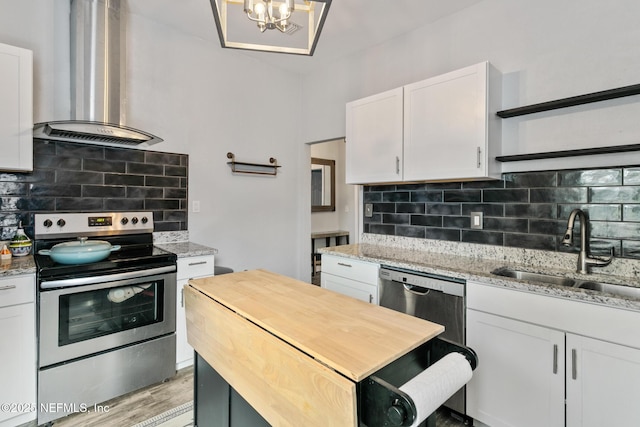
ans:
(534, 277)
(607, 288)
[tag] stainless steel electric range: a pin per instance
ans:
(107, 327)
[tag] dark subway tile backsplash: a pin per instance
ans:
(87, 178)
(527, 209)
(593, 177)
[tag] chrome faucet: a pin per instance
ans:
(584, 259)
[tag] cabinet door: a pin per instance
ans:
(603, 383)
(445, 126)
(184, 352)
(188, 268)
(519, 381)
(374, 139)
(351, 288)
(18, 367)
(16, 108)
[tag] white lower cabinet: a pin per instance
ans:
(188, 268)
(603, 383)
(537, 366)
(18, 350)
(519, 380)
(354, 278)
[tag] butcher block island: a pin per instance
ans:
(298, 354)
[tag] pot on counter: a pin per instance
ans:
(82, 251)
(20, 245)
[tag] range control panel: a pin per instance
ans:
(55, 225)
(100, 221)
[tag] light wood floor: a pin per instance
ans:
(138, 406)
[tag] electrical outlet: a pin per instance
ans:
(195, 206)
(368, 210)
(476, 220)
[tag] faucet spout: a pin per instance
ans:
(568, 235)
(584, 259)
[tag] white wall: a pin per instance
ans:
(545, 49)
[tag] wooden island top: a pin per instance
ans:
(294, 351)
(350, 336)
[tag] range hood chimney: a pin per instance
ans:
(97, 80)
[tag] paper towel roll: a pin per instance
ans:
(433, 386)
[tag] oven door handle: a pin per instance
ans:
(106, 278)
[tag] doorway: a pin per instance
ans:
(344, 218)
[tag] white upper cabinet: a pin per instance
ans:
(16, 108)
(450, 127)
(374, 138)
(449, 130)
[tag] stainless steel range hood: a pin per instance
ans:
(97, 80)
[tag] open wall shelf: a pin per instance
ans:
(569, 153)
(571, 101)
(253, 168)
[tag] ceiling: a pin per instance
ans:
(351, 25)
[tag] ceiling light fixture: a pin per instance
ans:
(286, 16)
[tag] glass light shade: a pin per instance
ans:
(284, 10)
(259, 8)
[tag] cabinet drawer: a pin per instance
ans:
(17, 290)
(196, 266)
(353, 269)
(351, 288)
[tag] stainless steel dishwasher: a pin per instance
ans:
(432, 297)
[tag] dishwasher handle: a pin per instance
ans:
(410, 289)
(422, 284)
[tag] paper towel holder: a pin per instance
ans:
(384, 404)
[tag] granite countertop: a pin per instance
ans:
(17, 266)
(476, 262)
(186, 249)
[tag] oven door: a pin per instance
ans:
(79, 321)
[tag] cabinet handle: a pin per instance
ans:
(182, 297)
(344, 265)
(6, 288)
(371, 298)
(574, 363)
(397, 165)
(479, 153)
(197, 263)
(555, 358)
